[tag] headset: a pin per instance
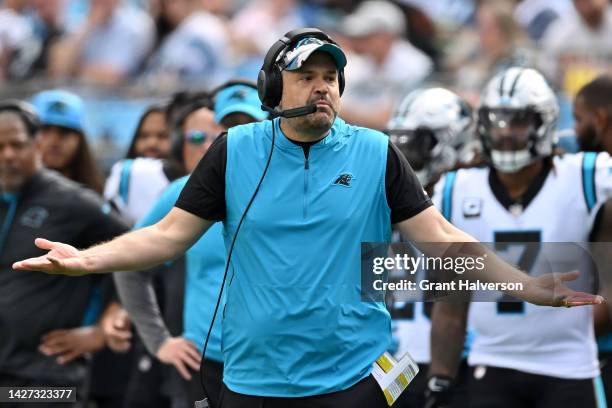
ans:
(269, 88)
(25, 111)
(270, 78)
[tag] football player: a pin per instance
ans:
(434, 130)
(523, 355)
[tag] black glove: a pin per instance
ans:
(438, 392)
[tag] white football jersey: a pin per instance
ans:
(411, 323)
(412, 327)
(134, 185)
(556, 342)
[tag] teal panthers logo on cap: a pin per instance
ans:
(58, 107)
(240, 94)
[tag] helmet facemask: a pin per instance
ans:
(517, 119)
(512, 138)
(433, 128)
(423, 148)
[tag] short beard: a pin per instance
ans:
(311, 126)
(588, 141)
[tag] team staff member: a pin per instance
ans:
(37, 201)
(62, 139)
(233, 102)
(63, 147)
(593, 126)
(593, 115)
(204, 261)
(135, 184)
(295, 332)
(434, 130)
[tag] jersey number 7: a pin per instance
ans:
(516, 247)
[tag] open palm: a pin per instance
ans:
(61, 259)
(550, 290)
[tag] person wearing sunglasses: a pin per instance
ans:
(198, 129)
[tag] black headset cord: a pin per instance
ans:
(204, 402)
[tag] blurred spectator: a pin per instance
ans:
(195, 52)
(152, 136)
(46, 20)
(109, 46)
(221, 8)
(501, 42)
(448, 13)
(18, 45)
(168, 14)
(386, 66)
(38, 312)
(258, 25)
(537, 15)
(422, 32)
(580, 46)
(593, 114)
(62, 140)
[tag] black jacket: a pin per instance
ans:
(34, 303)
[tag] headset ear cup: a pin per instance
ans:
(341, 81)
(274, 87)
(261, 86)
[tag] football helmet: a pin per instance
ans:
(517, 117)
(433, 128)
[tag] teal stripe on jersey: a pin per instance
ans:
(124, 181)
(447, 195)
(600, 394)
(588, 179)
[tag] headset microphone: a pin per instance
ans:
(291, 113)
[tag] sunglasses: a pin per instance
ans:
(196, 137)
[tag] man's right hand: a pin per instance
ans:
(61, 259)
(182, 354)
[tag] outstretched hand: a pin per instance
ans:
(550, 290)
(61, 259)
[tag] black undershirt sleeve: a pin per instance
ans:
(405, 195)
(204, 193)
